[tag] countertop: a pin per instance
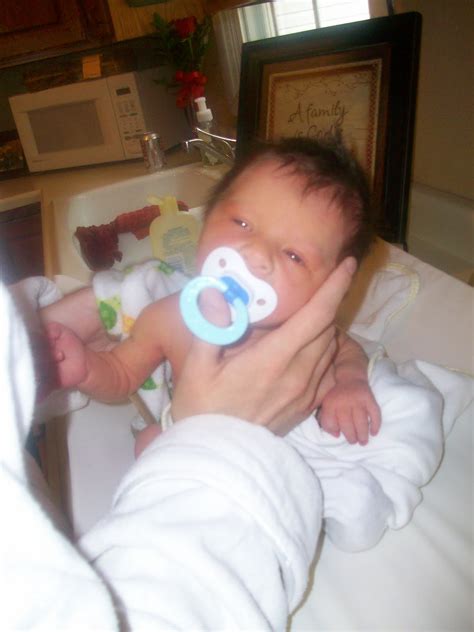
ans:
(48, 186)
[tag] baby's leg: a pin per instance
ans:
(69, 354)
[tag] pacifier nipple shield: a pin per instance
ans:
(250, 299)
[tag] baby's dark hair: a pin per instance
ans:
(322, 163)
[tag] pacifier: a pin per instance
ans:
(250, 299)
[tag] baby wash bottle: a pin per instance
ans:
(174, 236)
(205, 121)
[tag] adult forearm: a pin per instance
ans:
(222, 523)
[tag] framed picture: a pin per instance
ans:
(357, 80)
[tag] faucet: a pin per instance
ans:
(224, 151)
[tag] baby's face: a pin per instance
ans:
(290, 240)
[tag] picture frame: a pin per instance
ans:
(358, 80)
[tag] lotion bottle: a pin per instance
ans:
(205, 121)
(174, 236)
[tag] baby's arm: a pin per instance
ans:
(69, 354)
(349, 406)
(113, 375)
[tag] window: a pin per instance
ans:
(270, 19)
(291, 16)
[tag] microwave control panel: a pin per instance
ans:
(128, 112)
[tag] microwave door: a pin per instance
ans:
(68, 126)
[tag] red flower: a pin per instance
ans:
(192, 86)
(184, 27)
(182, 44)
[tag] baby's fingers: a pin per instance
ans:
(375, 417)
(361, 425)
(348, 427)
(328, 422)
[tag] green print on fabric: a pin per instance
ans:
(149, 385)
(108, 312)
(165, 268)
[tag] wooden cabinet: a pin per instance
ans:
(21, 243)
(31, 30)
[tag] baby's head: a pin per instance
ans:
(324, 164)
(293, 210)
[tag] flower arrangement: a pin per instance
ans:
(182, 43)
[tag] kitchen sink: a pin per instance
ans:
(99, 440)
(189, 183)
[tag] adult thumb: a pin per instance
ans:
(202, 356)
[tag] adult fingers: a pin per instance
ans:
(315, 316)
(308, 366)
(297, 392)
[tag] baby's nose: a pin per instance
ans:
(258, 258)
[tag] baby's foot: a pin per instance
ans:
(69, 354)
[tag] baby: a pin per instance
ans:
(292, 210)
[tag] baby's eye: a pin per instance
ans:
(294, 257)
(240, 222)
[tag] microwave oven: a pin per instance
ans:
(95, 121)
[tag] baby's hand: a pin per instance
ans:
(69, 354)
(350, 408)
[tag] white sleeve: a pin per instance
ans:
(213, 528)
(44, 582)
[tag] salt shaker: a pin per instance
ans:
(153, 155)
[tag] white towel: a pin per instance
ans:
(392, 289)
(30, 295)
(370, 488)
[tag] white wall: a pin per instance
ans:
(441, 223)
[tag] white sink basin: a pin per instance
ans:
(190, 183)
(99, 429)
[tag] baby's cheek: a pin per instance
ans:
(284, 310)
(291, 299)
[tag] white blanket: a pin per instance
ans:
(367, 489)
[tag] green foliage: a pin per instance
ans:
(182, 43)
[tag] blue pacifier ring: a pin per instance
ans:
(201, 327)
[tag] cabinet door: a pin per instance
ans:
(21, 244)
(29, 29)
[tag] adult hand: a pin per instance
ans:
(274, 382)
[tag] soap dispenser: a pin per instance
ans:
(205, 121)
(174, 236)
